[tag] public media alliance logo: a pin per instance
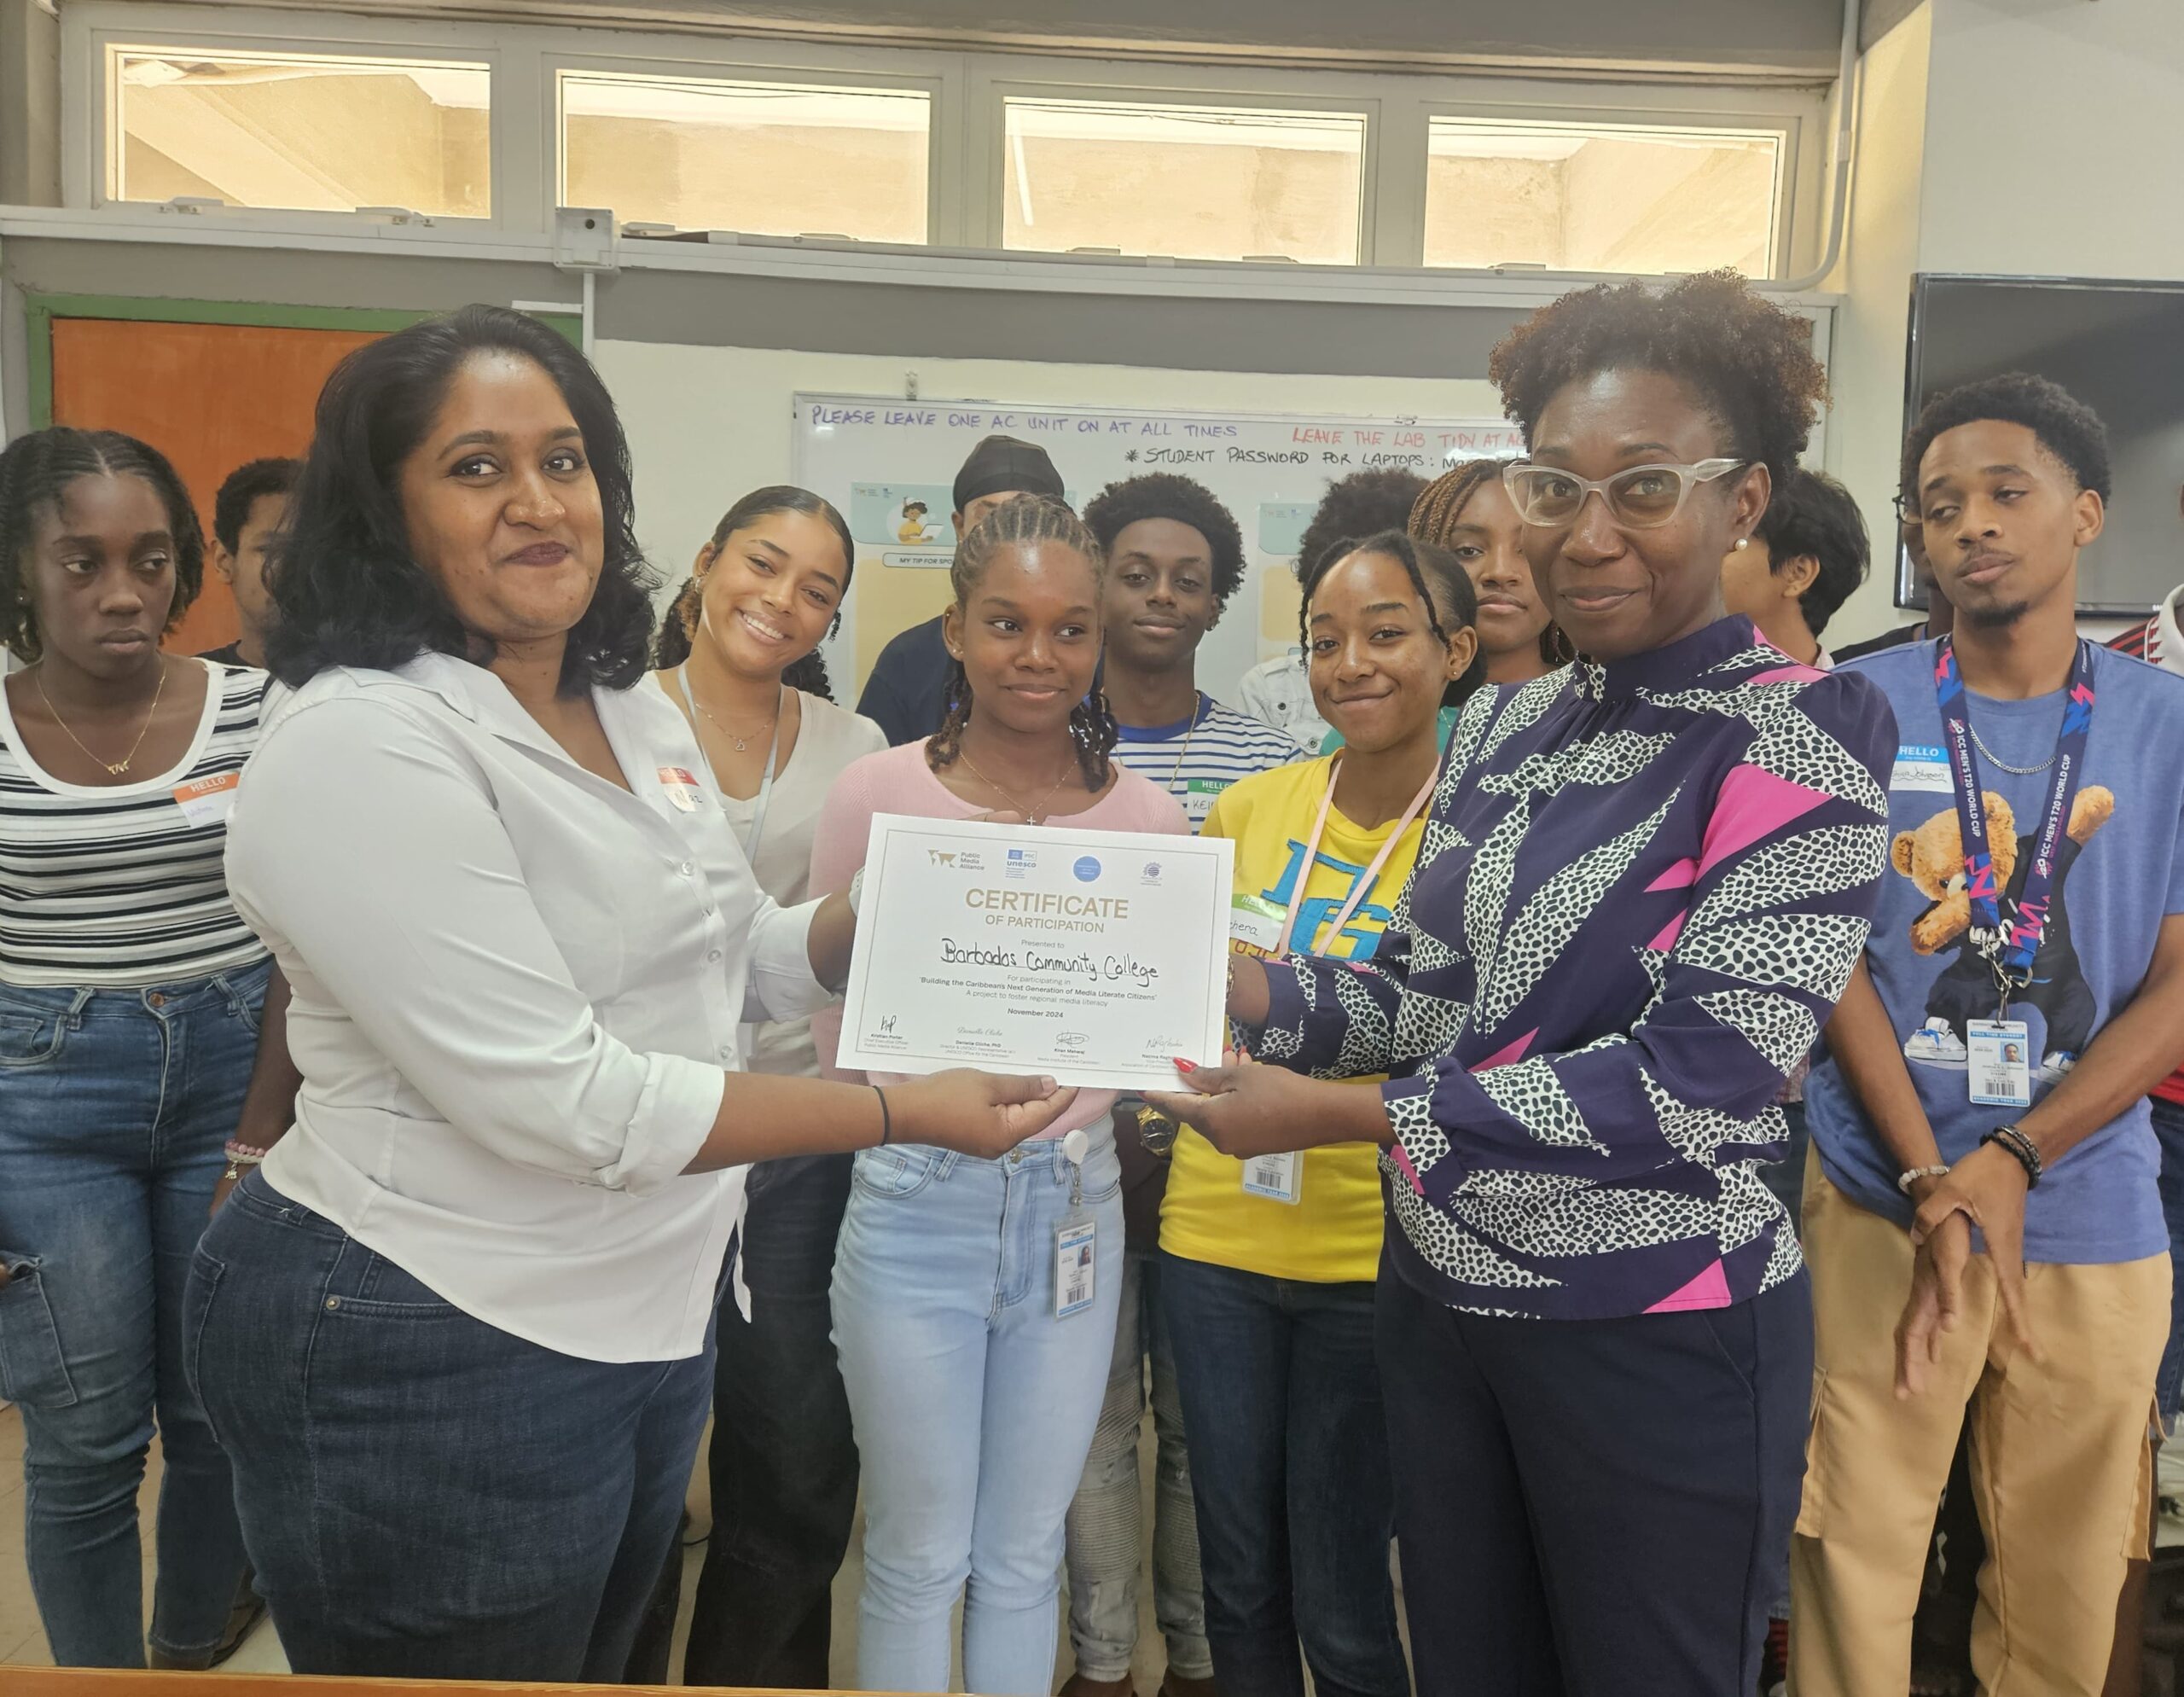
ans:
(1087, 868)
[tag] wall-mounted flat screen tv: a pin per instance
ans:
(2118, 348)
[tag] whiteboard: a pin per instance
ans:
(881, 460)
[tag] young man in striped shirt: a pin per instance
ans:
(1174, 558)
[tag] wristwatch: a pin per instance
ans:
(1155, 1130)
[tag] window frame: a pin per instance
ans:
(1795, 179)
(1124, 84)
(967, 137)
(934, 75)
(90, 113)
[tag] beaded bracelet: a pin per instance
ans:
(2022, 1147)
(1905, 1179)
(240, 1153)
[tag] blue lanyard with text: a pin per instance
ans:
(2011, 955)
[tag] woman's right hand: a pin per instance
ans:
(985, 1115)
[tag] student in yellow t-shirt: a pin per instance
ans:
(1266, 1267)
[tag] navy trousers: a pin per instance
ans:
(1594, 1507)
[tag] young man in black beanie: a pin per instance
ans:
(907, 694)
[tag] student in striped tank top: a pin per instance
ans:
(130, 995)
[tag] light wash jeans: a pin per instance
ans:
(114, 1107)
(1106, 1533)
(974, 1405)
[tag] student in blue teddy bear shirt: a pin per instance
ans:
(2020, 742)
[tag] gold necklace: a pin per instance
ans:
(742, 743)
(1030, 813)
(114, 768)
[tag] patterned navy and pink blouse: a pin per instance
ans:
(1642, 889)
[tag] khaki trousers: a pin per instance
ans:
(2061, 1473)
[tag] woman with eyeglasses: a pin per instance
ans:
(1643, 884)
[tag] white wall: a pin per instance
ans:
(2051, 138)
(706, 424)
(1865, 427)
(2032, 137)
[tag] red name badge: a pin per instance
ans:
(680, 786)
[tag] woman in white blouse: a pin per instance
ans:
(455, 1333)
(739, 654)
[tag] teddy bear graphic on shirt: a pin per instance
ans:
(1932, 857)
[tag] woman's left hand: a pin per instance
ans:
(1246, 1109)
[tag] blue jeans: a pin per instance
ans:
(783, 1460)
(1107, 1532)
(2169, 1128)
(425, 1495)
(1289, 1465)
(973, 1404)
(115, 1106)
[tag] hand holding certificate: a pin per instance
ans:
(1096, 957)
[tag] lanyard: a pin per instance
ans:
(766, 784)
(2011, 956)
(1312, 849)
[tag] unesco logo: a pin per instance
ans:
(1087, 868)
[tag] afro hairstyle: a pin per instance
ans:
(1162, 495)
(2062, 424)
(1364, 503)
(1749, 360)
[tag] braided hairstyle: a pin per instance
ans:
(680, 628)
(1444, 587)
(1440, 509)
(36, 471)
(1027, 520)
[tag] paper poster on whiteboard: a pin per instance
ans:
(890, 466)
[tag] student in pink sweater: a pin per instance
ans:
(974, 1402)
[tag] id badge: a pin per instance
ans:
(2000, 1069)
(1273, 1176)
(680, 785)
(1256, 923)
(1074, 1266)
(208, 801)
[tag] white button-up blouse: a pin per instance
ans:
(515, 990)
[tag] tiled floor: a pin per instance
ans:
(21, 1641)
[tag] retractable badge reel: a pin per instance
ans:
(1075, 1260)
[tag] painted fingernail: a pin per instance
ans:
(1183, 1066)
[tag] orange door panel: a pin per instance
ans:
(207, 395)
